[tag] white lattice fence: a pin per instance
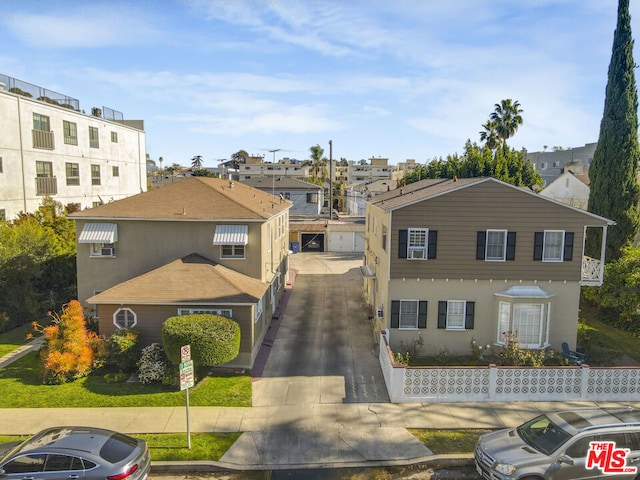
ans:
(499, 384)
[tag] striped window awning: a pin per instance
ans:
(231, 235)
(99, 233)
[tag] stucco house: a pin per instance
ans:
(569, 188)
(201, 245)
(453, 261)
(307, 198)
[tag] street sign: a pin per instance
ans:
(186, 375)
(185, 353)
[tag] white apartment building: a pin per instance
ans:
(49, 147)
(378, 169)
(257, 167)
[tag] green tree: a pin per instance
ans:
(619, 296)
(506, 119)
(239, 157)
(319, 172)
(614, 191)
(196, 162)
(490, 135)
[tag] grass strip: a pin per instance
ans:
(442, 442)
(165, 447)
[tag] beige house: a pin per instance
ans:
(202, 245)
(462, 260)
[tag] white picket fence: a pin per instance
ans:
(506, 384)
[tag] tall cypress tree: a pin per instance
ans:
(613, 171)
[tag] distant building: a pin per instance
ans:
(551, 164)
(49, 147)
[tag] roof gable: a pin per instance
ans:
(193, 279)
(195, 198)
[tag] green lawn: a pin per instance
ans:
(20, 384)
(173, 446)
(442, 442)
(14, 338)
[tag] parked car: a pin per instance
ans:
(78, 452)
(581, 443)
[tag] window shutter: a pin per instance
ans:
(433, 244)
(511, 245)
(395, 313)
(568, 247)
(442, 314)
(403, 238)
(480, 246)
(422, 314)
(470, 315)
(538, 244)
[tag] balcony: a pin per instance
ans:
(592, 272)
(46, 186)
(43, 140)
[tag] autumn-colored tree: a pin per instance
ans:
(69, 347)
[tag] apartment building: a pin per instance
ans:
(50, 147)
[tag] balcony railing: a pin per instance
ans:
(592, 271)
(43, 140)
(46, 186)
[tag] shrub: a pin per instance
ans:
(68, 351)
(124, 350)
(4, 322)
(117, 377)
(152, 366)
(214, 339)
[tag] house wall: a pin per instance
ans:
(459, 215)
(563, 319)
(151, 317)
(17, 179)
(568, 189)
(145, 245)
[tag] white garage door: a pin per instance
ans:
(359, 242)
(341, 242)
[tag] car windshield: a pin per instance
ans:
(542, 434)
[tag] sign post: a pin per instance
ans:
(186, 380)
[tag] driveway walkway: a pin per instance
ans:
(324, 350)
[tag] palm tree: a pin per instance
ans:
(318, 164)
(490, 135)
(196, 162)
(507, 118)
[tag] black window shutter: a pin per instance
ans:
(442, 314)
(511, 245)
(470, 315)
(395, 313)
(433, 244)
(422, 314)
(480, 246)
(403, 237)
(568, 246)
(538, 244)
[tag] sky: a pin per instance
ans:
(397, 79)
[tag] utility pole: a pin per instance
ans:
(330, 179)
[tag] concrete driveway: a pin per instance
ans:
(324, 349)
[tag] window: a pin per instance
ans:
(417, 243)
(125, 318)
(553, 246)
(33, 463)
(543, 165)
(456, 314)
(223, 312)
(232, 251)
(115, 171)
(408, 314)
(495, 245)
(95, 174)
(44, 169)
(312, 197)
(95, 204)
(94, 141)
(73, 173)
(556, 164)
(384, 238)
(62, 463)
(525, 322)
(417, 246)
(103, 250)
(114, 137)
(41, 123)
(259, 310)
(70, 130)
